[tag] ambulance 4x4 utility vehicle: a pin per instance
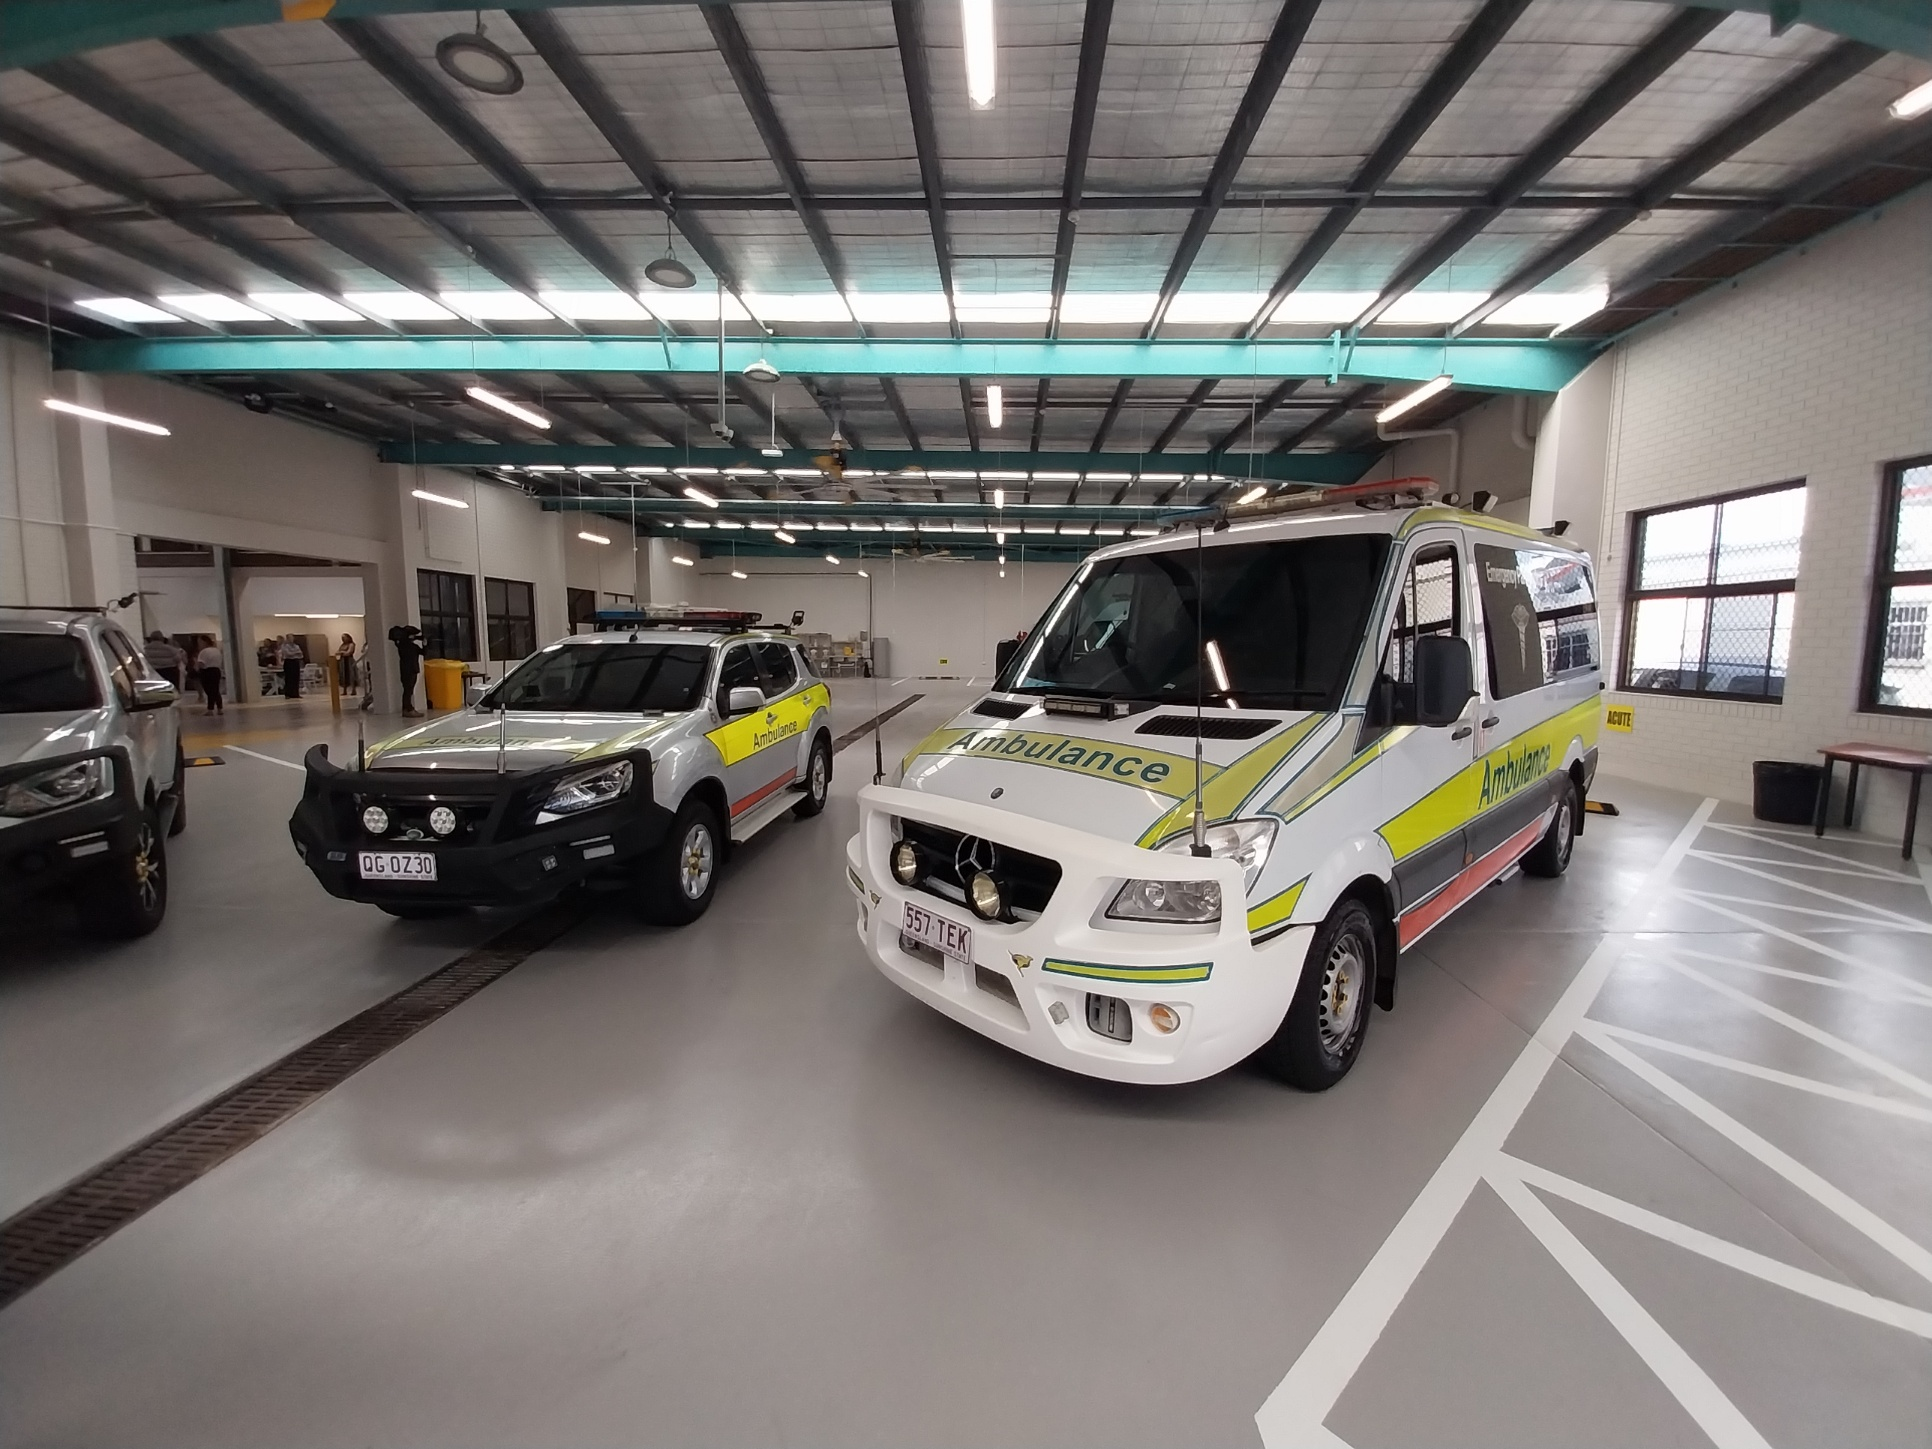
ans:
(636, 753)
(1387, 703)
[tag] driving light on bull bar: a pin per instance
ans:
(983, 895)
(375, 820)
(586, 791)
(1245, 842)
(905, 863)
(1163, 1018)
(442, 820)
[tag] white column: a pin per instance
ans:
(1572, 449)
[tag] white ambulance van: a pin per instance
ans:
(1380, 705)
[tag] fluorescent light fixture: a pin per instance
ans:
(695, 468)
(784, 537)
(428, 497)
(999, 535)
(982, 51)
(495, 306)
(595, 306)
(127, 309)
(764, 525)
(588, 537)
(728, 523)
(1003, 306)
(399, 306)
(698, 495)
(772, 450)
(313, 616)
(1322, 306)
(651, 468)
(61, 405)
(799, 306)
(868, 528)
(999, 498)
(1221, 307)
(304, 306)
(1432, 308)
(1038, 528)
(1110, 477)
(798, 472)
(213, 307)
(1914, 102)
(744, 472)
(678, 558)
(1004, 475)
(959, 527)
(1143, 530)
(1075, 530)
(1414, 399)
(545, 468)
(831, 558)
(1039, 477)
(697, 523)
(864, 575)
(1108, 530)
(1108, 306)
(899, 306)
(829, 527)
(596, 467)
(957, 473)
(1163, 477)
(995, 405)
(1550, 309)
(1002, 563)
(505, 405)
(1260, 490)
(860, 473)
(1214, 663)
(739, 574)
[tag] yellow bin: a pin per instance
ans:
(443, 683)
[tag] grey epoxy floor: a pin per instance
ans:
(728, 1186)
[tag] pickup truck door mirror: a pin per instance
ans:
(152, 694)
(1445, 678)
(743, 700)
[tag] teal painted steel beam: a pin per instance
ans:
(1013, 517)
(1048, 468)
(33, 32)
(1482, 363)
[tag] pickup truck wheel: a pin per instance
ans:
(180, 793)
(818, 780)
(131, 896)
(1321, 1034)
(1550, 856)
(677, 879)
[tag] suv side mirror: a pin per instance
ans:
(152, 694)
(744, 700)
(1445, 678)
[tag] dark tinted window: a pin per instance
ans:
(739, 672)
(44, 672)
(605, 679)
(1282, 625)
(781, 673)
(447, 604)
(510, 611)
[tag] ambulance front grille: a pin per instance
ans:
(1027, 880)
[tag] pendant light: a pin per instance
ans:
(667, 270)
(476, 61)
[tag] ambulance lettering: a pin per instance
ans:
(1513, 773)
(1066, 753)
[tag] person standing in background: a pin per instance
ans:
(345, 664)
(293, 658)
(208, 666)
(166, 658)
(408, 640)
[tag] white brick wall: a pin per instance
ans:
(1819, 367)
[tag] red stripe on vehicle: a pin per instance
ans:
(756, 795)
(1416, 923)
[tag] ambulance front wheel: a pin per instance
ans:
(1319, 1038)
(1550, 856)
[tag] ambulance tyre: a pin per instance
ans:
(677, 879)
(1550, 856)
(1321, 1034)
(818, 779)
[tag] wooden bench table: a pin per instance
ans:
(1883, 757)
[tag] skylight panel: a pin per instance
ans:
(304, 306)
(899, 306)
(611, 306)
(213, 307)
(1430, 309)
(400, 306)
(1108, 306)
(1322, 306)
(127, 309)
(495, 306)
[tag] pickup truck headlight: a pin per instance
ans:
(1196, 902)
(58, 786)
(586, 791)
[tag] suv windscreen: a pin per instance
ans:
(605, 679)
(45, 673)
(1282, 626)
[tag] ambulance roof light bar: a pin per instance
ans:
(1386, 493)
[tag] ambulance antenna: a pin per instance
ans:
(872, 668)
(1199, 847)
(502, 734)
(362, 748)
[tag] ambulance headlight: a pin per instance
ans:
(1245, 842)
(905, 862)
(983, 895)
(586, 791)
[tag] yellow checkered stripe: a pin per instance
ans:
(1225, 791)
(1276, 909)
(1162, 975)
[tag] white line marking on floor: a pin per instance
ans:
(258, 755)
(1768, 1074)
(1854, 1213)
(1831, 953)
(1720, 1250)
(1924, 927)
(1910, 993)
(1780, 834)
(1868, 1060)
(1293, 1415)
(1911, 923)
(1860, 872)
(1702, 1399)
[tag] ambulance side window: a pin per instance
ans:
(1430, 602)
(779, 669)
(739, 672)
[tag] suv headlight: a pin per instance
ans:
(57, 786)
(592, 788)
(1195, 902)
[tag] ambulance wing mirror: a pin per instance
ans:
(744, 699)
(1445, 678)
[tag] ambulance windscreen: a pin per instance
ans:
(643, 678)
(1282, 625)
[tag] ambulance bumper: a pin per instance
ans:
(1029, 982)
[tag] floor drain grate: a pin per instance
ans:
(40, 1240)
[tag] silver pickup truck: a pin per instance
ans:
(91, 780)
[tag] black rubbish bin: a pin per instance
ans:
(1785, 792)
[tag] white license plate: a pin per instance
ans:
(396, 864)
(948, 938)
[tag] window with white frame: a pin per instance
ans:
(1898, 667)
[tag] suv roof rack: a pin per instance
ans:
(1386, 493)
(725, 621)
